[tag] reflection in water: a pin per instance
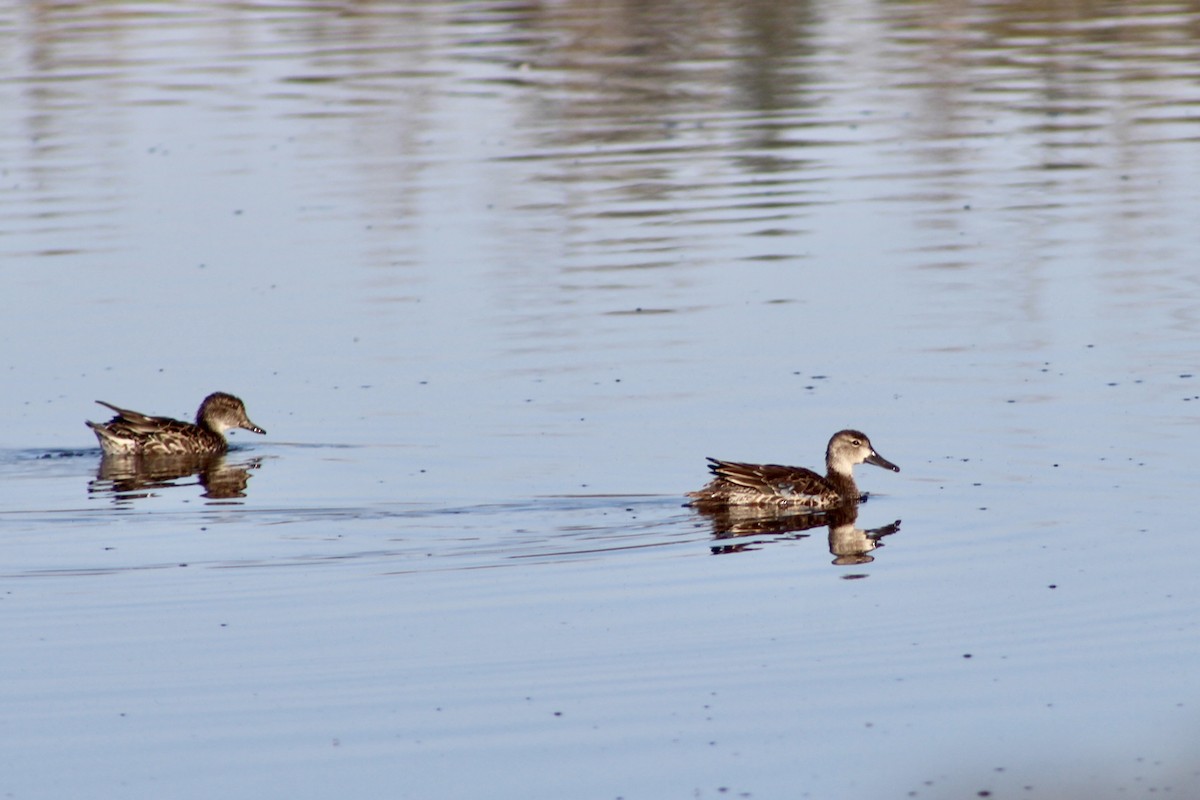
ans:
(128, 478)
(847, 543)
(850, 545)
(607, 142)
(735, 117)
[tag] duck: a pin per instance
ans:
(776, 486)
(131, 433)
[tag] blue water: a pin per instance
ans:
(496, 279)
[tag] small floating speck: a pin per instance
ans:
(640, 310)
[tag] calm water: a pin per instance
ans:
(496, 278)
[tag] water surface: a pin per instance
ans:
(496, 278)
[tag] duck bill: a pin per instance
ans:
(880, 461)
(250, 426)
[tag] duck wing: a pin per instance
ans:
(774, 479)
(138, 422)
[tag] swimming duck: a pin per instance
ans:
(131, 433)
(778, 486)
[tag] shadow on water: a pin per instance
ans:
(128, 478)
(124, 479)
(848, 544)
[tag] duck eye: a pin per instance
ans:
(856, 442)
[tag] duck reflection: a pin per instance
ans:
(128, 478)
(848, 544)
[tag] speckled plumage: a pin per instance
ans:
(774, 485)
(131, 433)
